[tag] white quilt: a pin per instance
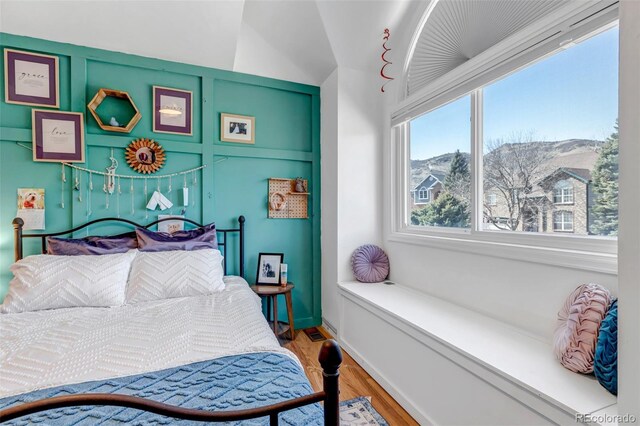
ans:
(73, 345)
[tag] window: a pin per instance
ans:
(439, 154)
(563, 193)
(543, 136)
(423, 194)
(563, 221)
(538, 141)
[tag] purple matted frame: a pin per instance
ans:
(158, 127)
(11, 97)
(39, 154)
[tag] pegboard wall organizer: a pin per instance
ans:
(284, 202)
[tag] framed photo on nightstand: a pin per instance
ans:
(269, 268)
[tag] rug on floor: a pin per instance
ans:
(359, 411)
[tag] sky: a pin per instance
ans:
(570, 95)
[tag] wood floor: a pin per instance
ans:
(354, 381)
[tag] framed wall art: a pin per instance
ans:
(172, 111)
(269, 268)
(57, 136)
(237, 128)
(31, 79)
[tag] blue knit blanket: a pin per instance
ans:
(229, 383)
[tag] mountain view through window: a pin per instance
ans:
(550, 149)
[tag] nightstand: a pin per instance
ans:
(271, 293)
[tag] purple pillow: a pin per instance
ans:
(370, 264)
(92, 245)
(193, 239)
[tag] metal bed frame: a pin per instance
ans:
(330, 358)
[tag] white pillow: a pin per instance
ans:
(177, 273)
(49, 282)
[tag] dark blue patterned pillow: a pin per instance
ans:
(605, 362)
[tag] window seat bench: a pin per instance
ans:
(450, 365)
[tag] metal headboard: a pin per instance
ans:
(18, 223)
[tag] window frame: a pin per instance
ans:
(595, 253)
(563, 221)
(563, 196)
(426, 192)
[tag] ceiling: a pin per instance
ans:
(302, 41)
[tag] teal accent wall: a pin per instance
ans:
(235, 179)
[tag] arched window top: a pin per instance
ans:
(423, 193)
(455, 31)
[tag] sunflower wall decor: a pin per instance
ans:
(145, 156)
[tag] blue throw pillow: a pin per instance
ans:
(605, 363)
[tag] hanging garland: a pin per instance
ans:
(97, 172)
(112, 183)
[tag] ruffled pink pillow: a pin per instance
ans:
(579, 320)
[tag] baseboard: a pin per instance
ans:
(405, 402)
(329, 327)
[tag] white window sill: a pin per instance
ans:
(590, 253)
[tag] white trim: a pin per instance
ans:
(329, 327)
(518, 249)
(476, 160)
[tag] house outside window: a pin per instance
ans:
(506, 156)
(563, 193)
(563, 221)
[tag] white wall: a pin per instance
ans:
(329, 185)
(527, 295)
(351, 178)
(629, 240)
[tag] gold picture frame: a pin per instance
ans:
(28, 69)
(237, 128)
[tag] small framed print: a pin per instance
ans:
(237, 128)
(172, 111)
(31, 79)
(58, 136)
(269, 268)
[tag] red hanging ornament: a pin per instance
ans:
(386, 49)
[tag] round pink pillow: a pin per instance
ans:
(579, 320)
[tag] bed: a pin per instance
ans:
(208, 358)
